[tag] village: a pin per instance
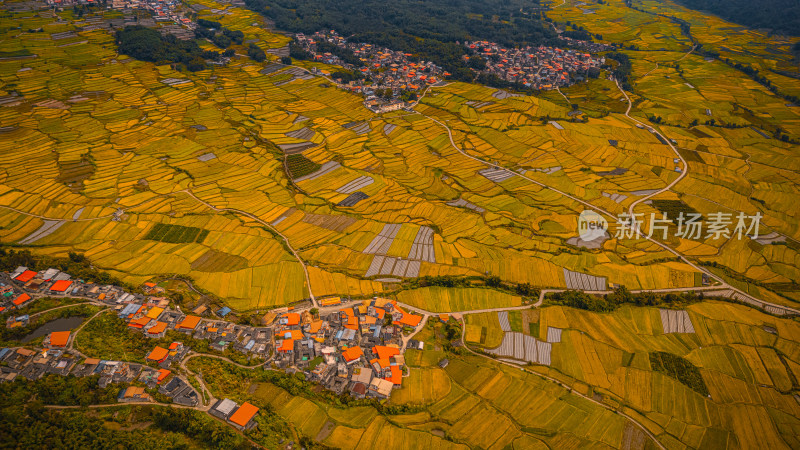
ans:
(354, 348)
(539, 67)
(382, 69)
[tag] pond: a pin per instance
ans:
(63, 324)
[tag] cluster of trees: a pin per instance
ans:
(622, 71)
(781, 16)
(76, 265)
(147, 44)
(428, 30)
(255, 53)
(216, 33)
(680, 369)
(620, 295)
(28, 424)
(344, 54)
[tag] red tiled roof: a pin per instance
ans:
(26, 276)
(60, 285)
(21, 299)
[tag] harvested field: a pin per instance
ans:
(503, 317)
(388, 128)
(380, 244)
(271, 68)
(585, 282)
(674, 321)
(556, 125)
(594, 243)
(329, 222)
(497, 175)
(304, 133)
(48, 228)
(358, 127)
(463, 203)
(359, 183)
(291, 149)
(633, 438)
(383, 265)
(422, 248)
(502, 95)
(353, 199)
(523, 348)
(283, 216)
(618, 198)
(206, 157)
(553, 335)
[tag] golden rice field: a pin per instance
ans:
(439, 299)
(746, 359)
(102, 133)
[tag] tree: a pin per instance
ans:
(287, 60)
(255, 53)
(493, 281)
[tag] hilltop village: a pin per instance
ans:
(351, 348)
(534, 67)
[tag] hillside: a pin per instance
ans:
(781, 16)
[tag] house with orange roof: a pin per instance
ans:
(60, 287)
(385, 352)
(158, 354)
(25, 276)
(20, 300)
(396, 376)
(243, 417)
(285, 346)
(141, 322)
(158, 330)
(154, 312)
(352, 354)
(188, 324)
(290, 319)
(162, 374)
(58, 339)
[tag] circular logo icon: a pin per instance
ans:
(591, 225)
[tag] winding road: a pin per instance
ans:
(721, 284)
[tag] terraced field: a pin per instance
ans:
(137, 147)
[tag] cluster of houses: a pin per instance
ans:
(162, 10)
(534, 67)
(55, 358)
(385, 68)
(358, 349)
